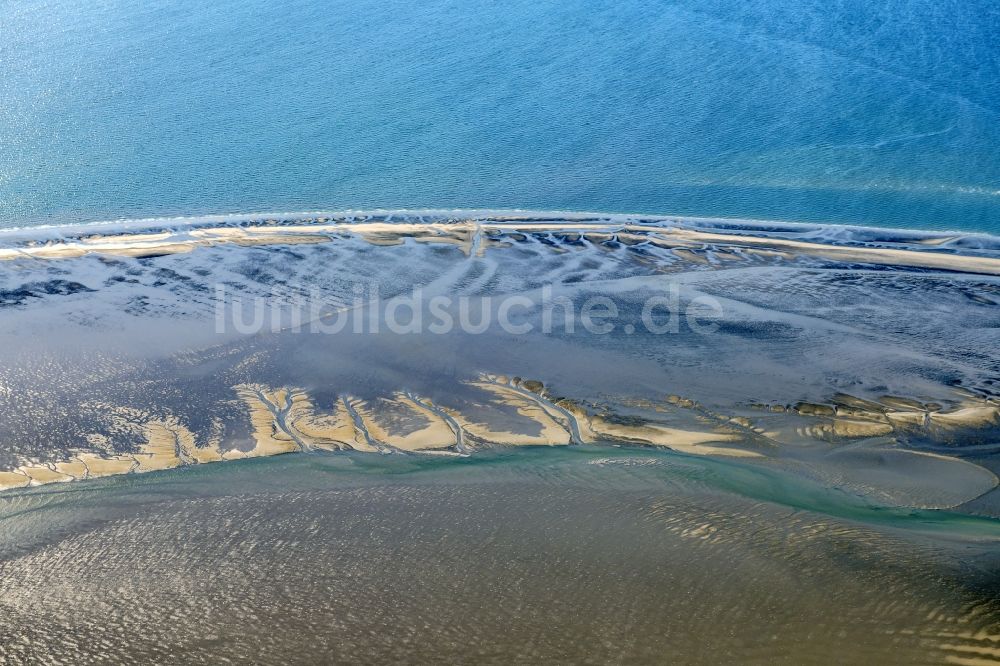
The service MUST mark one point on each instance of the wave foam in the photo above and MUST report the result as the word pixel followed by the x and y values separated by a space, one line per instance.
pixel 831 234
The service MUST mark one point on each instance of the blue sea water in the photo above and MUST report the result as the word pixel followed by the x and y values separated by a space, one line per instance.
pixel 851 111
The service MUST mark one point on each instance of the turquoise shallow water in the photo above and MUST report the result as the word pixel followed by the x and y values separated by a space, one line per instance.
pixel 582 466
pixel 861 113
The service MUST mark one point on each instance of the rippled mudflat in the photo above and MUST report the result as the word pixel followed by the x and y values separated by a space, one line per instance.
pixel 583 555
pixel 579 555
pixel 515 437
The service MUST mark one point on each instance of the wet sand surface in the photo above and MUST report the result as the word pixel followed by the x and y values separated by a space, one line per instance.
pixel 814 479
pixel 572 556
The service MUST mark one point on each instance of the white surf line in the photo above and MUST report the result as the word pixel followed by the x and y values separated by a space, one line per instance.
pixel 669 229
pixel 452 423
pixel 568 421
pixel 488 216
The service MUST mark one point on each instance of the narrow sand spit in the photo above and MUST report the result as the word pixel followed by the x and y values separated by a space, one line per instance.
pixel 464 235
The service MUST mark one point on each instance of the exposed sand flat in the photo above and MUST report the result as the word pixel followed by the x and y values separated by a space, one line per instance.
pixel 403 424
pixel 551 433
pixel 404 228
pixel 73 467
pixel 69 250
pixel 203 454
pixel 843 400
pixel 443 430
pixel 285 239
pixel 375 232
pixel 463 234
pixel 286 419
pixel 152 237
pixel 236 454
pixel 137 245
pixel 98 466
pixel 140 252
pixel 685 441
pixel 582 417
pixel 896 402
pixel 857 428
pixel 598 237
pixel 973 416
pixel 229 233
pixel 161 450
pixel 871 255
pixel 794 333
pixel 690 256
pixel 363 440
pixel 835 429
pixel 170 443
pixel 462 239
pixel 42 474
pixel 13 480
pixel 331 431
pixel 906 420
pixel 268 410
pixel 849 417
pixel 336 431
pixel 383 240
pixel 536 391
